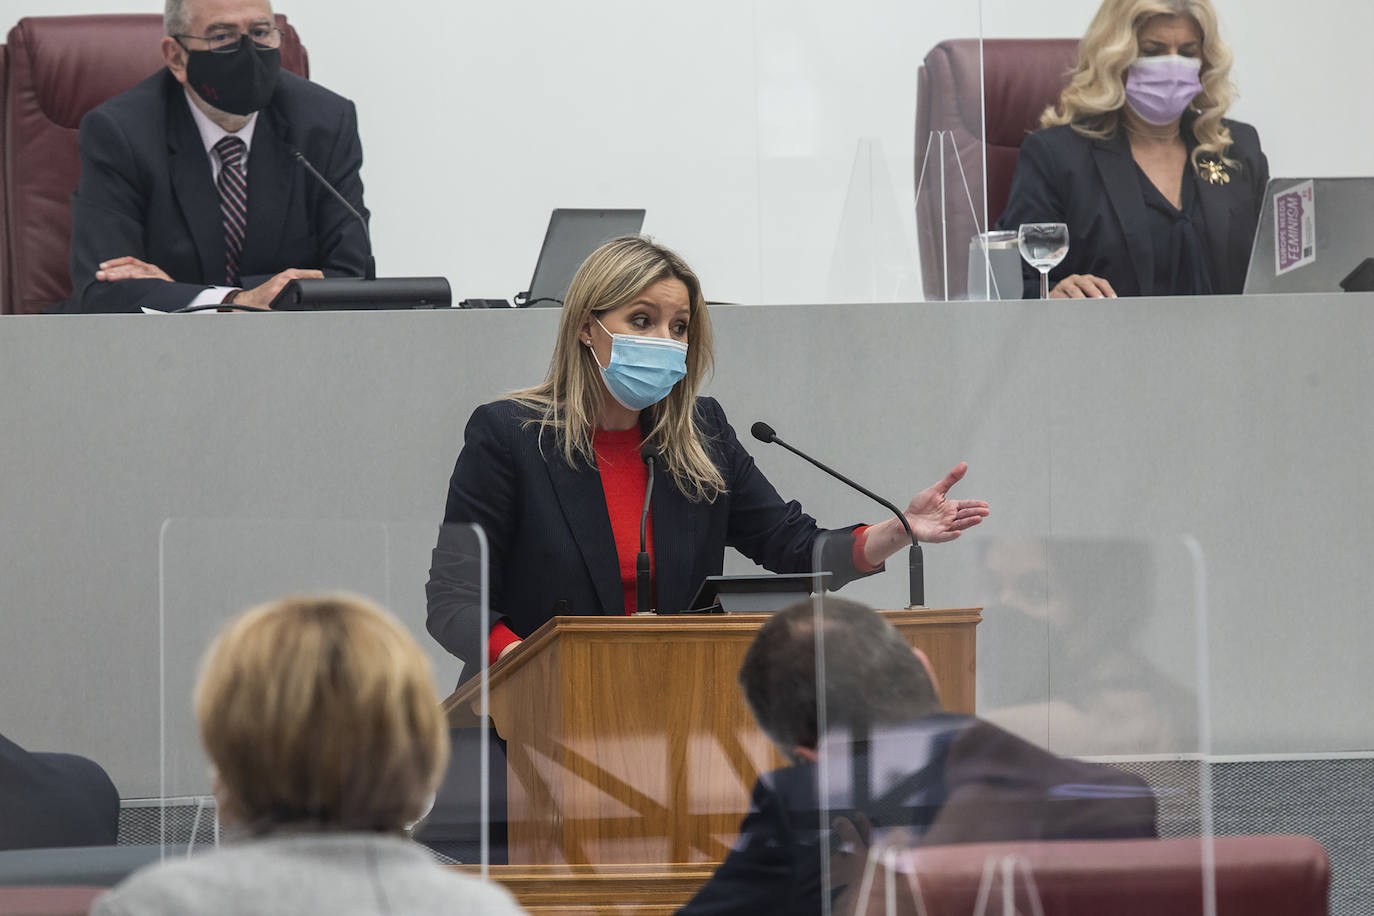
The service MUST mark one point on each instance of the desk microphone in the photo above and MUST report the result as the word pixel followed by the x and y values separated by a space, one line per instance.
pixel 764 433
pixel 648 454
pixel 371 273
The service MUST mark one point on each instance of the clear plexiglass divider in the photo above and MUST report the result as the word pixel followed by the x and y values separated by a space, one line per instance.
pixel 213 570
pixel 958 256
pixel 76 721
pixel 1075 761
pixel 869 175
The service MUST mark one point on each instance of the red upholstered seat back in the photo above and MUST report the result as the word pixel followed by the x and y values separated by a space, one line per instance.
pixel 57 68
pixel 1255 876
pixel 47 901
pixel 1018 78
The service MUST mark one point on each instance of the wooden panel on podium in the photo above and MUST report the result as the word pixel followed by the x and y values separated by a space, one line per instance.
pixel 629 741
pixel 599 890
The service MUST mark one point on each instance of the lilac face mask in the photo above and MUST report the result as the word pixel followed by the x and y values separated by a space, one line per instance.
pixel 1159 89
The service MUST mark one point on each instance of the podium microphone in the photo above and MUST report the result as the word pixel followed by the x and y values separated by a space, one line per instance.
pixel 915 566
pixel 371 273
pixel 648 454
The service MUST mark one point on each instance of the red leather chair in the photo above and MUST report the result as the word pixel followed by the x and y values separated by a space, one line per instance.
pixel 47 901
pixel 1018 78
pixel 54 70
pixel 1255 876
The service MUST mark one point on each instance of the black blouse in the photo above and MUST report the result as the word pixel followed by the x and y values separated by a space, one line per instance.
pixel 1178 236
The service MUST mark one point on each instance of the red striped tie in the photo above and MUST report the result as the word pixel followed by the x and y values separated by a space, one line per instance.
pixel 233 203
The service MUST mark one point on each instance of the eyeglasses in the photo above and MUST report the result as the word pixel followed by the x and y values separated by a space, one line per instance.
pixel 227 41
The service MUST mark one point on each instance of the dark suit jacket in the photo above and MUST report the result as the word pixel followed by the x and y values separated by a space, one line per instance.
pixel 941 780
pixel 1093 186
pixel 549 534
pixel 54 800
pixel 146 190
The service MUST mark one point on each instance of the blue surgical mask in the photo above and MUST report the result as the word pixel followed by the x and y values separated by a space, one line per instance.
pixel 642 370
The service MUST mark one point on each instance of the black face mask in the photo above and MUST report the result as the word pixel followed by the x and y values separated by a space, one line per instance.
pixel 240 82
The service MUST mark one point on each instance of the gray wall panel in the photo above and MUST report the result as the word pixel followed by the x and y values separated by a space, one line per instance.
pixel 1243 422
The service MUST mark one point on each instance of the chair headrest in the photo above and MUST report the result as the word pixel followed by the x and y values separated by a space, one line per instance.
pixel 74 63
pixel 1018 76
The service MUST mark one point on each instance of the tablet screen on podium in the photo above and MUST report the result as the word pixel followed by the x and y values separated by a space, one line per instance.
pixel 755 594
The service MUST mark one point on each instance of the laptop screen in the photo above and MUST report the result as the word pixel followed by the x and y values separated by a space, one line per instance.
pixel 573 235
pixel 1312 233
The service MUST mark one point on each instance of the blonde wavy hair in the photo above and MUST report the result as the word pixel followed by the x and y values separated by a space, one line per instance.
pixel 319 711
pixel 570 398
pixel 1091 103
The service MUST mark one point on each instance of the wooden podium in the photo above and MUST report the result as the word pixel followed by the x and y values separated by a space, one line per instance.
pixel 629 742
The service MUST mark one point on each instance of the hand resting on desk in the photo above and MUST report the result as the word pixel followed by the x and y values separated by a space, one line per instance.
pixel 261 296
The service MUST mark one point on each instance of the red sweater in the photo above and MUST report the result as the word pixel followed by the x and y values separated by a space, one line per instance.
pixel 623 478
pixel 624 475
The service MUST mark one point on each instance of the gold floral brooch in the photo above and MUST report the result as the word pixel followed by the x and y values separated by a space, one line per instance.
pixel 1215 172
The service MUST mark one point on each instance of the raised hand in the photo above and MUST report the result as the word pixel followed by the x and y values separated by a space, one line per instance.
pixel 936 518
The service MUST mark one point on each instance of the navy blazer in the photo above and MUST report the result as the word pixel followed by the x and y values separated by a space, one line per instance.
pixel 54 800
pixel 549 538
pixel 940 780
pixel 1094 187
pixel 146 190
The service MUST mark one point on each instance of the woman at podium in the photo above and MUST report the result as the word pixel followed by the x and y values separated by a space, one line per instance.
pixel 1161 193
pixel 556 474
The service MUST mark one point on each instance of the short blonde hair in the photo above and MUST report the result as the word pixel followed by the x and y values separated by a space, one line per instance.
pixel 571 396
pixel 1093 100
pixel 321 711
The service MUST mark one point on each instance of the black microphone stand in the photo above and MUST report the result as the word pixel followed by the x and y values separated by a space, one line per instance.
pixel 648 454
pixel 916 588
pixel 371 270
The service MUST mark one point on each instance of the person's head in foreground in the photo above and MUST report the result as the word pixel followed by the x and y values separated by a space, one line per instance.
pixel 327 740
pixel 899 771
pixel 1145 64
pixel 634 346
pixel 320 712
pixel 872 676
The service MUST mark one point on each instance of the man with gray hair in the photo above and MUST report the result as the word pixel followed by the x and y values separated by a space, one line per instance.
pixel 190 190
pixel 901 770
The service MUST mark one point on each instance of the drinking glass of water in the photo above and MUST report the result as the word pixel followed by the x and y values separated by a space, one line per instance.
pixel 1043 246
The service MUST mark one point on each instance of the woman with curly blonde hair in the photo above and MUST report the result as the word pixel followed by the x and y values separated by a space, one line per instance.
pixel 1161 192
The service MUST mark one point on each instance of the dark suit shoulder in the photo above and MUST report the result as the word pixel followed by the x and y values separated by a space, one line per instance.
pixel 505 410
pixel 502 418
pixel 509 416
pixel 985 751
pixel 1242 134
pixel 717 436
pixel 1063 138
pixel 1245 142
pixel 1060 142
pixel 987 744
pixel 140 102
pixel 53 799
pixel 513 427
pixel 710 415
pixel 1057 135
pixel 296 94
